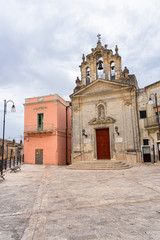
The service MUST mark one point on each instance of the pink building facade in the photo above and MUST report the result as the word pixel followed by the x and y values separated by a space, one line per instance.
pixel 47 130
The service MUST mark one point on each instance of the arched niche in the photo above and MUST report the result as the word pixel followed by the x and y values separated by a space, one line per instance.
pixel 101 111
pixel 88 78
pixel 112 70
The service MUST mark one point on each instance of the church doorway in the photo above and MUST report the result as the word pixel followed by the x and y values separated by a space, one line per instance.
pixel 103 143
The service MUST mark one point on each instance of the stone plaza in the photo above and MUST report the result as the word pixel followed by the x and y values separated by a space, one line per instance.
pixel 55 203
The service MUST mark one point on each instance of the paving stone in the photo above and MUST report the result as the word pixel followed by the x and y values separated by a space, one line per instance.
pixel 54 203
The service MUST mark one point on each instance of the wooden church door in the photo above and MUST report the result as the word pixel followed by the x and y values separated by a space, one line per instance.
pixel 103 143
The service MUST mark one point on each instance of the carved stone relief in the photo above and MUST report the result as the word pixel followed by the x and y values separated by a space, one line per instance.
pixel 128 102
pixel 107 120
pixel 76 109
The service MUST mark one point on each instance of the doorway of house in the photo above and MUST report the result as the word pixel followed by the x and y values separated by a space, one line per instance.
pixel 39 156
pixel 103 143
pixel 158 147
pixel 146 151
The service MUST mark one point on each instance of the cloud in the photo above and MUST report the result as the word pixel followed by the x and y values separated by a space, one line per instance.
pixel 42 42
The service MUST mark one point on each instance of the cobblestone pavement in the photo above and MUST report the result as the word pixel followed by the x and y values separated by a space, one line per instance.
pixel 54 203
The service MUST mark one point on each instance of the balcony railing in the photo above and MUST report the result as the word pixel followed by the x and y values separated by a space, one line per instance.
pixel 35 129
pixel 151 121
pixel 11 162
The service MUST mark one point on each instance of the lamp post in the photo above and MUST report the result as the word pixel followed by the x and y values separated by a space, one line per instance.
pixel 13 109
pixel 151 102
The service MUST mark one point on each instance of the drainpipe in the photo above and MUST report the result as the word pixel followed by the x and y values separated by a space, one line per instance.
pixel 154 160
pixel 66 136
pixel 139 132
pixel 67 133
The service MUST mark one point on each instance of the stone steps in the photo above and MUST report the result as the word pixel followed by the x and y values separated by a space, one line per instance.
pixel 99 165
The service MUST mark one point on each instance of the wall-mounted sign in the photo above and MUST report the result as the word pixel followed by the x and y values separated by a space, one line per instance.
pixel 40 108
pixel 86 140
pixel 119 140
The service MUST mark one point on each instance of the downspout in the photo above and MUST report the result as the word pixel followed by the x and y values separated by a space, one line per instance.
pixel 139 133
pixel 154 160
pixel 67 135
pixel 132 119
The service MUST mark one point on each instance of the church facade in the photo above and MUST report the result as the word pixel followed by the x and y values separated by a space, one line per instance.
pixel 105 110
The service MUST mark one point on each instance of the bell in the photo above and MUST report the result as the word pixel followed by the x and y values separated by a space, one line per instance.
pixel 100 67
pixel 87 73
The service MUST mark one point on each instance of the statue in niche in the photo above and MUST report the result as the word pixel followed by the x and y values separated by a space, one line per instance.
pixel 101 115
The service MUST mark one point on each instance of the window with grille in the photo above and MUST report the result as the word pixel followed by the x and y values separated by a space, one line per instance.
pixel 142 114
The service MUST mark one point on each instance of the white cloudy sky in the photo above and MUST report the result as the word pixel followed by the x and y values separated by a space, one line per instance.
pixel 42 42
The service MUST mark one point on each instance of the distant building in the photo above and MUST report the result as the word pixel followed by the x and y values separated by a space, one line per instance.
pixel 11 149
pixel 47 130
pixel 148 122
pixel 110 114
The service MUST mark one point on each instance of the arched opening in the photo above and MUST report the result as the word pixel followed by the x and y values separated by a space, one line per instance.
pixel 100 67
pixel 112 70
pixel 88 78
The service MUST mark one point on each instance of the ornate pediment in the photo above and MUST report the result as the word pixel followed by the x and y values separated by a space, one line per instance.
pixel 99 86
pixel 107 120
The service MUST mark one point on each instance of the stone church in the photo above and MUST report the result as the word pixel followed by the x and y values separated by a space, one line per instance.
pixel 105 110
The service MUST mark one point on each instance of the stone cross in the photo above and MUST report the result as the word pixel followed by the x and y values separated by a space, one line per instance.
pixel 99 37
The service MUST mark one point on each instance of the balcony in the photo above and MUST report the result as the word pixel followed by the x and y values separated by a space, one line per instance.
pixel 46 128
pixel 151 122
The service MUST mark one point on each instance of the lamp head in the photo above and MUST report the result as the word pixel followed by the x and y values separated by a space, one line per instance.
pixel 13 109
pixel 84 133
pixel 116 128
pixel 150 101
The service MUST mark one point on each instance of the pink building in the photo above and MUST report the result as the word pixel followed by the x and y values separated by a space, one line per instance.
pixel 47 130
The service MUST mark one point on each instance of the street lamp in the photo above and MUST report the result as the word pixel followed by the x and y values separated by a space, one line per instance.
pixel 151 102
pixel 13 109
